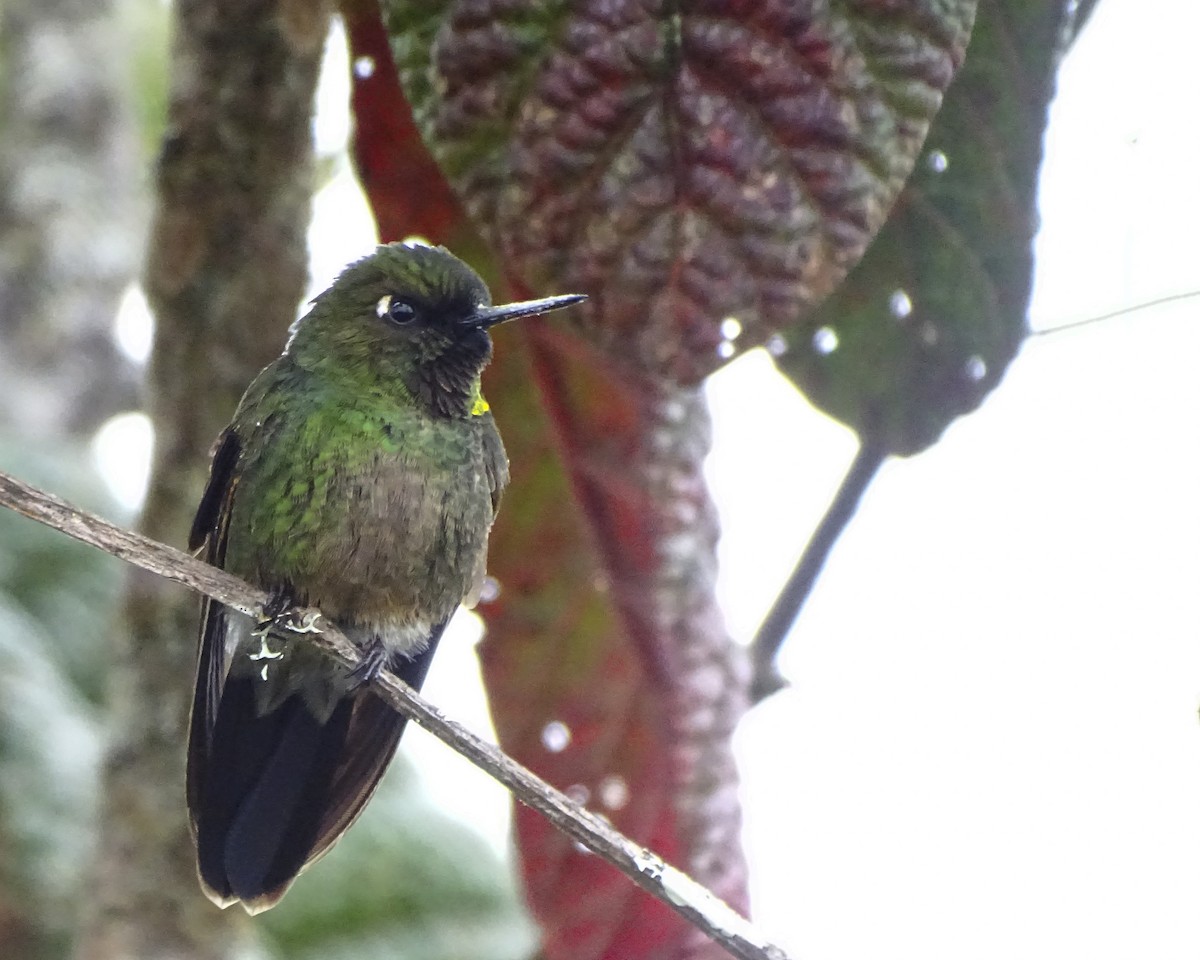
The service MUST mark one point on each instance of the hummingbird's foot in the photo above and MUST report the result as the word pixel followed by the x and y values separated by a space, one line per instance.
pixel 277 605
pixel 308 623
pixel 280 613
pixel 374 659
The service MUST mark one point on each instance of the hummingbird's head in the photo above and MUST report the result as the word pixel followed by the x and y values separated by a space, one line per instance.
pixel 412 313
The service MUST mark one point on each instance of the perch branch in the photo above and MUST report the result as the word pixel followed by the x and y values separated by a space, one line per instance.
pixel 673 887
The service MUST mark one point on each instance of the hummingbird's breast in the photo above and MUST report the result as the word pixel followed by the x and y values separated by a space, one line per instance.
pixel 379 517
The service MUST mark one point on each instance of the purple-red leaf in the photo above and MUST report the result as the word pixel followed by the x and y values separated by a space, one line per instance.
pixel 679 162
pixel 406 189
pixel 625 654
pixel 646 695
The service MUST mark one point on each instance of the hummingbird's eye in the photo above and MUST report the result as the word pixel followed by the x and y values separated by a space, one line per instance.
pixel 400 312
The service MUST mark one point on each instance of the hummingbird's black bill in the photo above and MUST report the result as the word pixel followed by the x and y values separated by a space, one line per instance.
pixel 486 317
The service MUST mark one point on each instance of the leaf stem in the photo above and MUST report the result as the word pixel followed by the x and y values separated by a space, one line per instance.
pixel 779 621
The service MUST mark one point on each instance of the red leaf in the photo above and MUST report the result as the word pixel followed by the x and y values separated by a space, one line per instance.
pixel 405 187
pixel 633 662
pixel 679 162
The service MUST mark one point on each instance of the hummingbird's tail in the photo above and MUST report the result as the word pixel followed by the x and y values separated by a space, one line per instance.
pixel 270 792
pixel 282 787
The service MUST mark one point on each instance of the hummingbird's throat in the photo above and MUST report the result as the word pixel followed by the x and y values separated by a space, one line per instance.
pixel 448 385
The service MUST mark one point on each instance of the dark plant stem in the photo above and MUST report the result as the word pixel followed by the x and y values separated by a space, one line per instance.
pixel 791 599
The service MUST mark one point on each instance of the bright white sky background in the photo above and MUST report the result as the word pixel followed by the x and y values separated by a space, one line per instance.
pixel 991 748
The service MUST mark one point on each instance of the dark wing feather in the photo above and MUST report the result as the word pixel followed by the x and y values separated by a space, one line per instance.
pixel 375 731
pixel 282 807
pixel 210 529
pixel 208 526
pixel 495 463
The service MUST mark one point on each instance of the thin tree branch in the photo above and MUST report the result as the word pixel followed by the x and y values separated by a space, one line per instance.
pixel 648 870
pixel 1113 314
pixel 778 623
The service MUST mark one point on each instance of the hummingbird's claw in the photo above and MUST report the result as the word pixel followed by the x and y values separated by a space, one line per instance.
pixel 264 650
pixel 279 613
pixel 306 624
pixel 375 658
pixel 275 612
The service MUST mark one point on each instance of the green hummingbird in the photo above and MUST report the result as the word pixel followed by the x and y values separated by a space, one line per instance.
pixel 361 474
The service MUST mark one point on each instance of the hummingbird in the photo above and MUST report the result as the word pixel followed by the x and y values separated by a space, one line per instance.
pixel 361 475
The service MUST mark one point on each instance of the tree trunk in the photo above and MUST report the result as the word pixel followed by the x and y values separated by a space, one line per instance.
pixel 226 269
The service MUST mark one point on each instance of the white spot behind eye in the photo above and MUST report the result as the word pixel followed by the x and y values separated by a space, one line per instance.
pixel 381 308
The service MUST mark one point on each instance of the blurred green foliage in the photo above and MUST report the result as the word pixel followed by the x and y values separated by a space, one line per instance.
pixel 405 883
pixel 57 600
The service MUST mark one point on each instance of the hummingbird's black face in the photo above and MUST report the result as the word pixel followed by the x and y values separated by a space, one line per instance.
pixel 444 350
pixel 435 330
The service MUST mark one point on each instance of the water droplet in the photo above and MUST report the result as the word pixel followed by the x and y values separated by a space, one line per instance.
pixel 580 848
pixel 556 736
pixel 614 791
pixel 976 368
pixel 731 328
pixel 825 340
pixel 579 793
pixel 600 582
pixel 900 303
pixel 489 590
pixel 122 448
pixel 938 161
pixel 364 67
pixel 776 345
pixel 725 349
pixel 134 326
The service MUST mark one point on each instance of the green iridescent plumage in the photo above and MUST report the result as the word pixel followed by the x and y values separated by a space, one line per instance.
pixel 361 474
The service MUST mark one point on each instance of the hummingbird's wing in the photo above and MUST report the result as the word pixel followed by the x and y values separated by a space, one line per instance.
pixel 495 462
pixel 371 741
pixel 210 530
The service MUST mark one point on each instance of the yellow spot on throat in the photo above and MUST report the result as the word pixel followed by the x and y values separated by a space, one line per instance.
pixel 479 407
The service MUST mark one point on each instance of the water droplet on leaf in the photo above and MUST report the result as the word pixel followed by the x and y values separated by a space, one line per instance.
pixel 489 590
pixel 825 340
pixel 900 304
pixel 976 368
pixel 556 736
pixel 579 793
pixel 614 792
